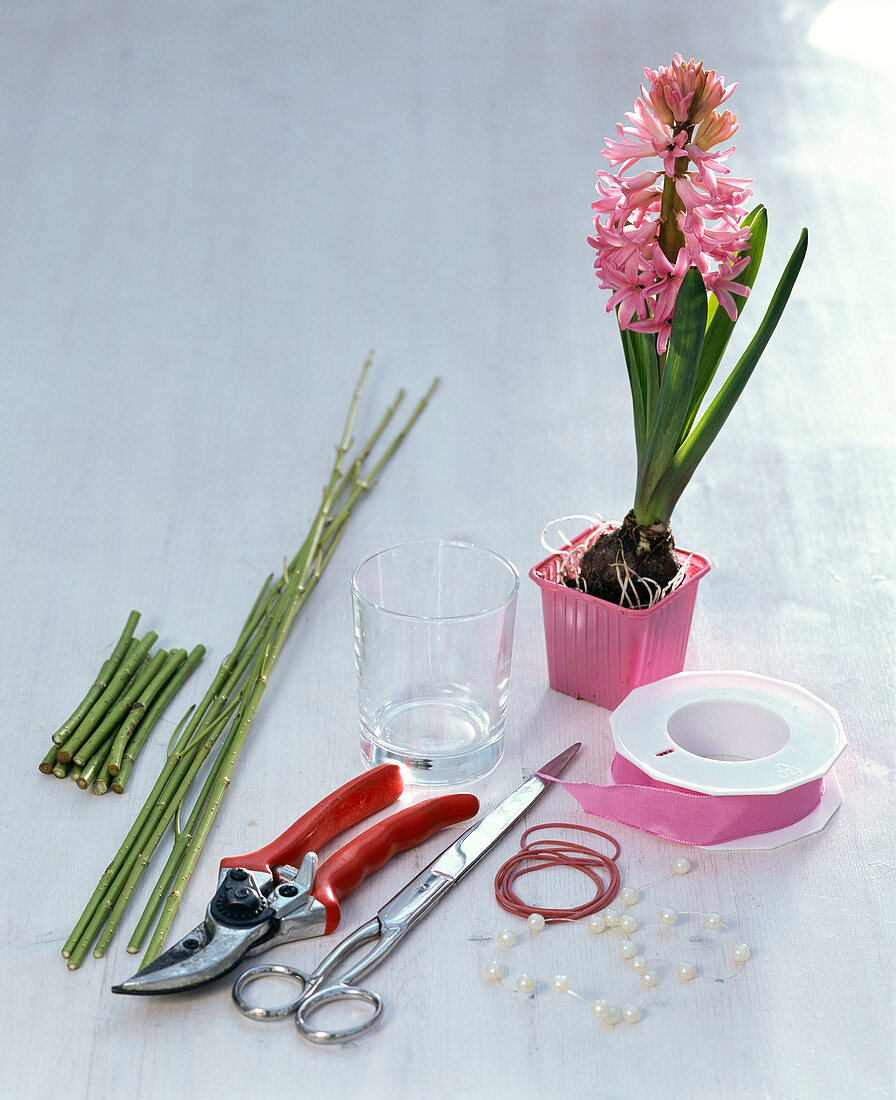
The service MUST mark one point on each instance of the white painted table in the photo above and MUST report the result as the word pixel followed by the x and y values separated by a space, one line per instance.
pixel 209 212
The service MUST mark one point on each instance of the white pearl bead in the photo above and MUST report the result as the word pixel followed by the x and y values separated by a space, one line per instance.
pixel 681 866
pixel 525 983
pixel 596 924
pixel 611 916
pixel 685 971
pixel 535 922
pixel 740 953
pixel 668 916
pixel 627 950
pixel 639 964
pixel 599 1008
pixel 560 983
pixel 628 924
pixel 631 1014
pixel 649 979
pixel 628 895
pixel 506 938
pixel 494 972
pixel 611 1019
pixel 713 921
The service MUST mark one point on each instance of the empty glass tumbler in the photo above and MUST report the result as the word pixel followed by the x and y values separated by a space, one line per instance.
pixel 433 639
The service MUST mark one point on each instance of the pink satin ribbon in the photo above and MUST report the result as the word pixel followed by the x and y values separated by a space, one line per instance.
pixel 690 817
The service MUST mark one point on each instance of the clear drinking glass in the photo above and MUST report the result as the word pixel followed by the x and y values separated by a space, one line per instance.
pixel 433 638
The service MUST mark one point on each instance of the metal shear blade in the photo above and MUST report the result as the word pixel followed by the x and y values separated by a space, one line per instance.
pixel 218 944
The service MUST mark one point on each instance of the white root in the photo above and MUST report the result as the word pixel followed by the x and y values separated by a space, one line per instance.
pixel 569 555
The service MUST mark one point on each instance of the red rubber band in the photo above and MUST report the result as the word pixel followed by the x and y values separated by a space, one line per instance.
pixel 570 825
pixel 540 854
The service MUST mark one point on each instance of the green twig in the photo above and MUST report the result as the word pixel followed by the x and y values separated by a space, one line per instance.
pixel 95 765
pixel 117 714
pixel 182 840
pixel 152 716
pixel 140 847
pixel 47 764
pixel 126 670
pixel 141 704
pixel 102 681
pixel 138 860
pixel 102 781
pixel 167 793
pixel 76 739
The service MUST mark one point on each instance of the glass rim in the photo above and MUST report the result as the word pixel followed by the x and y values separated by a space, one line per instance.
pixel 420 543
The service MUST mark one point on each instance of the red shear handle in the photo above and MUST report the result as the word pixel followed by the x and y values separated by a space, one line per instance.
pixel 347 868
pixel 359 798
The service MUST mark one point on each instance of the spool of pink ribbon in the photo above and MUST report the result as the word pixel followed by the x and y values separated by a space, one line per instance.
pixel 720 759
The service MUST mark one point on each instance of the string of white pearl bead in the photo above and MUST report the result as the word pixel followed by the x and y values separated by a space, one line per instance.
pixel 686 971
pixel 642 967
pixel 527 984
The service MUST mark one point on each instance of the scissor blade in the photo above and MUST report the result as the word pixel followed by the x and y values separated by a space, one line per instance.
pixel 469 848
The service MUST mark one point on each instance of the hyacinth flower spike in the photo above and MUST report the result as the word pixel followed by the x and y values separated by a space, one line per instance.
pixel 679 252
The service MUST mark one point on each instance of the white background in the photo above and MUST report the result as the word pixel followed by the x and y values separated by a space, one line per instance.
pixel 209 212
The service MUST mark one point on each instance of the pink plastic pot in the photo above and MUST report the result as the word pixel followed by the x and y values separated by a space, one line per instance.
pixel 599 651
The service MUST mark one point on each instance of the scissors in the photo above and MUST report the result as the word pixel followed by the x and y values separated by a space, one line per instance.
pixel 330 982
pixel 278 894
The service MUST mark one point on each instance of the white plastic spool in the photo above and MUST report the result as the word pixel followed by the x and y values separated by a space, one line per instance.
pixel 734 733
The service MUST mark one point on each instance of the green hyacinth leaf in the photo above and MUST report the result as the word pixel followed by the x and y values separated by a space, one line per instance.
pixel 719 325
pixel 689 455
pixel 675 392
pixel 637 384
pixel 645 349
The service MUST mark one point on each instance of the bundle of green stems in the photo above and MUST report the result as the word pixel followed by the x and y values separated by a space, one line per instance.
pixel 225 714
pixel 99 742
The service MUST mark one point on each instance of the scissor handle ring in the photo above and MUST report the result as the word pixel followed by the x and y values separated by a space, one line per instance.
pixel 311 1004
pixel 256 973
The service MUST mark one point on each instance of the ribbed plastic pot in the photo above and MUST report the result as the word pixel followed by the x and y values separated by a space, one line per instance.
pixel 599 651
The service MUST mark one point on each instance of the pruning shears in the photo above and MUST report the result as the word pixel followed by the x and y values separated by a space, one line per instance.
pixel 280 894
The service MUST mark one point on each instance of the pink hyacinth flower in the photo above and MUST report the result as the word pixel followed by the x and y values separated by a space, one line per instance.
pixel 722 285
pixel 684 92
pixel 714 129
pixel 674 121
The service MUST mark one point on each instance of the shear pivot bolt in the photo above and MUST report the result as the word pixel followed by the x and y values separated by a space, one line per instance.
pixel 238 902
